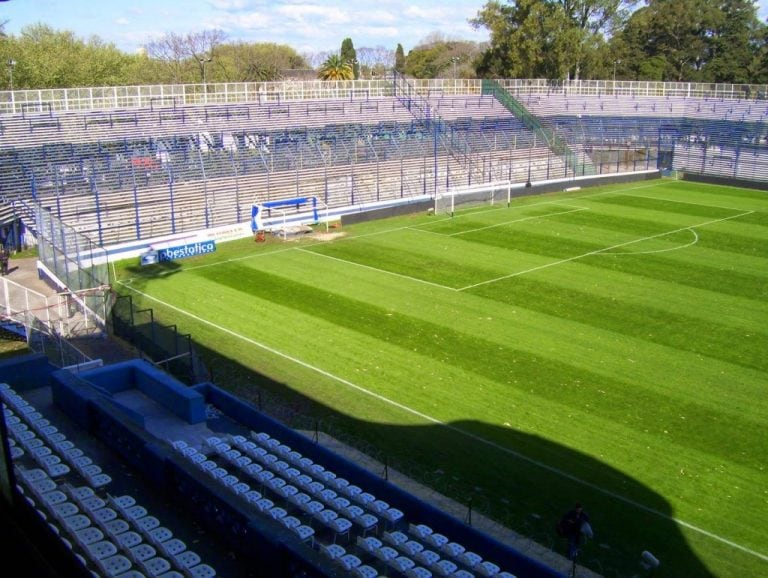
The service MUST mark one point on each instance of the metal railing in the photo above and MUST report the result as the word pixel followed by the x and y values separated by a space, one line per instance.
pixel 47 101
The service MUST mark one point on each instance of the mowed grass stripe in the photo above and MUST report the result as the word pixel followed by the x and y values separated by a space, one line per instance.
pixel 706 212
pixel 553 379
pixel 641 321
pixel 706 305
pixel 530 330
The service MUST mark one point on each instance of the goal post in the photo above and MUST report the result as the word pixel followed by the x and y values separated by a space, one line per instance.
pixel 466 197
pixel 287 215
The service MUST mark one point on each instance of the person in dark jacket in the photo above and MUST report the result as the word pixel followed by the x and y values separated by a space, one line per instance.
pixel 570 527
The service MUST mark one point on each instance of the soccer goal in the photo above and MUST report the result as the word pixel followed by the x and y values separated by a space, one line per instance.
pixel 288 217
pixel 472 196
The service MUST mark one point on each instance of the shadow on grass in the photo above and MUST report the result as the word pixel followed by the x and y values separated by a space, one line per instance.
pixel 487 470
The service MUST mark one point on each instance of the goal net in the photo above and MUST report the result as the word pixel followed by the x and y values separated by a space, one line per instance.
pixel 459 198
pixel 288 217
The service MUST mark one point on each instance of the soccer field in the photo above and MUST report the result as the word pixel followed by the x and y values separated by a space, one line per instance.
pixel 607 346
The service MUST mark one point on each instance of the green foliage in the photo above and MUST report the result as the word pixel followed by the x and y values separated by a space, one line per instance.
pixel 399 58
pixel 438 57
pixel 335 68
pixel 694 40
pixel 349 55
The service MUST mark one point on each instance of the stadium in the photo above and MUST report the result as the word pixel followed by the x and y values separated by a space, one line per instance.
pixel 387 327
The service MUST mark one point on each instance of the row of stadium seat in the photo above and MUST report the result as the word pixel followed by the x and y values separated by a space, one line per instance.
pixel 116 536
pixel 47 446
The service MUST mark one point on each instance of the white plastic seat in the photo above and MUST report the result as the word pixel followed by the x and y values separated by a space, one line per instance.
pixel 187 559
pixel 142 552
pixel 378 506
pixel 243 461
pixel 445 567
pixel 396 538
pixel 340 527
pixel 349 561
pixel 367 522
pixel 116 527
pixel 76 522
pixel 229 481
pixel 333 551
pixel 369 544
pixel 129 539
pixel 123 502
pixel 305 533
pixel 101 550
pixel 54 497
pixel 156 566
pixel 252 496
pixel 103 515
pixel 92 504
pixel 277 513
pixel 437 540
pixel 173 547
pixel 364 571
pixel 89 535
pixel 100 480
pixel 427 557
pixel 135 512
pixel 114 565
pixel 486 568
pixel 159 535
pixel 402 564
pixel 290 522
pixel 421 531
pixel 470 559
pixel 392 515
pixel 201 571
pixel 147 523
pixel 64 510
pixel 264 505
pixel 453 549
pixel 81 493
pixel 412 547
pixel 312 507
pixel 386 553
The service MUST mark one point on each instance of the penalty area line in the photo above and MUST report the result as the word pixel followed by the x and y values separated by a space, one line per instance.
pixel 453 428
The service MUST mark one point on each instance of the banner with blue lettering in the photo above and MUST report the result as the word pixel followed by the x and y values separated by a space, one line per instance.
pixel 184 251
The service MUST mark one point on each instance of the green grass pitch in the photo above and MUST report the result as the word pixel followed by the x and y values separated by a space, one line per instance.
pixel 608 346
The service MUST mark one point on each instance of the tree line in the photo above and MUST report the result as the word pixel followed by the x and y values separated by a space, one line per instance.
pixel 719 41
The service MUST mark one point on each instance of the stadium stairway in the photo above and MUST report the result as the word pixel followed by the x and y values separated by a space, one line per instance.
pixel 556 144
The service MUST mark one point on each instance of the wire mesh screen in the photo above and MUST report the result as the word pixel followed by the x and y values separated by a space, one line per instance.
pixel 75 260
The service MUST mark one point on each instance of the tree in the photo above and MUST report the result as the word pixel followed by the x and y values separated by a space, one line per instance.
pixel 348 54
pixel 551 38
pixel 192 51
pixel 399 58
pixel 334 68
pixel 440 57
pixel 733 43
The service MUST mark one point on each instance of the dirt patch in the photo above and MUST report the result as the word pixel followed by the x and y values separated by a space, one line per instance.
pixel 328 236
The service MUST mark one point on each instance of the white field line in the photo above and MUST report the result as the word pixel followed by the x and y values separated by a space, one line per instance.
pixel 384 271
pixel 598 251
pixel 403 228
pixel 681 201
pixel 517 221
pixel 695 240
pixel 453 428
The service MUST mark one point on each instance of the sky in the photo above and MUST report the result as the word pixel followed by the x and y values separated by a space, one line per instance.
pixel 308 26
